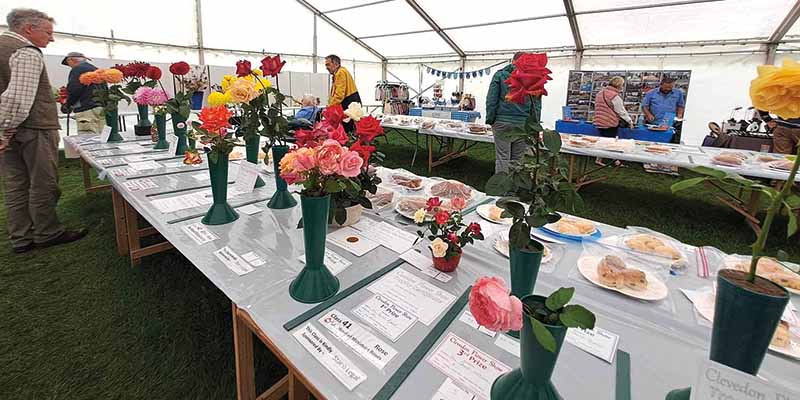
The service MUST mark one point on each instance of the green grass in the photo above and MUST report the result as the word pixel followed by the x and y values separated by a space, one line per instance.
pixel 80 323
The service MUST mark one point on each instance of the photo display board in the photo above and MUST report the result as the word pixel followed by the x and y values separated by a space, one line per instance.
pixel 584 85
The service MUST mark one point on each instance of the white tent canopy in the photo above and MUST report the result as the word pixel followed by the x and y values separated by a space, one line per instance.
pixel 721 41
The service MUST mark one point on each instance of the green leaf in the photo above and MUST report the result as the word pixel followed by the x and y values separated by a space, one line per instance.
pixel 543 336
pixel 792 229
pixel 702 170
pixel 499 184
pixel 519 235
pixel 517 210
pixel 552 140
pixel 576 316
pixel 559 298
pixel 782 255
pixel 687 183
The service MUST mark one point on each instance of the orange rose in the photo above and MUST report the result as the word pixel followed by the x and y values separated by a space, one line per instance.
pixel 89 78
pixel 111 75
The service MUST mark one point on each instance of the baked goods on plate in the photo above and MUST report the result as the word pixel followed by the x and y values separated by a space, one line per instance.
pixel 572 226
pixel 477 129
pixel 381 198
pixel 653 245
pixel 407 206
pixel 780 165
pixel 428 124
pixel 236 155
pixel 612 273
pixel 765 158
pixel 492 213
pixel 451 189
pixel 768 268
pixel 658 149
pixel 729 159
pixel 406 181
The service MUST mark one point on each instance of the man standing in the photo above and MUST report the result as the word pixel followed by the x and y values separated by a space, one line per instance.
pixel 666 99
pixel 785 133
pixel 504 115
pixel 29 123
pixel 343 88
pixel 88 115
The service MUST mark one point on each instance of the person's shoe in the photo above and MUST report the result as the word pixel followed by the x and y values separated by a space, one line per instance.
pixel 24 249
pixel 65 237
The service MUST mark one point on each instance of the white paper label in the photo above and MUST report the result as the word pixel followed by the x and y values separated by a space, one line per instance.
pixel 333 261
pixel 173 144
pixel 250 209
pixel 717 381
pixel 450 391
pixel 329 356
pixel 358 338
pixel 469 319
pixel 425 265
pixel 233 261
pixel 419 297
pixel 136 185
pixel 246 177
pixel 468 366
pixel 199 233
pixel 394 239
pixel 386 317
pixel 597 342
pixel 253 259
pixel 508 344
pixel 352 241
pixel 122 171
pixel 105 134
pixel 145 165
pixel 201 177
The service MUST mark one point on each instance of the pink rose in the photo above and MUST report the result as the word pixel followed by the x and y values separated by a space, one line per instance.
pixel 350 164
pixel 303 160
pixel 328 157
pixel 291 177
pixel 458 203
pixel 492 305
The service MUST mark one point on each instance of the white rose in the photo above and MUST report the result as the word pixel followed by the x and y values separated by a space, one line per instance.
pixel 439 248
pixel 354 112
pixel 419 216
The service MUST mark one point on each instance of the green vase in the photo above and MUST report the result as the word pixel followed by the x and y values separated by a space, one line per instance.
pixel 112 120
pixel 532 379
pixel 281 199
pixel 524 271
pixel 744 323
pixel 161 128
pixel 179 128
pixel 142 128
pixel 315 283
pixel 251 148
pixel 220 212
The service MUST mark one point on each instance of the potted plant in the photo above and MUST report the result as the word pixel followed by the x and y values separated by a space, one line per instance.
pixel 178 106
pixel 543 322
pixel 107 94
pixel 156 98
pixel 747 307
pixel 535 185
pixel 196 83
pixel 447 244
pixel 321 170
pixel 212 131
pixel 136 75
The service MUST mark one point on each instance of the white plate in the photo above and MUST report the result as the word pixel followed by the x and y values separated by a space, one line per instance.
pixel 730 265
pixel 483 211
pixel 656 289
pixel 410 214
pixel 551 227
pixel 501 245
pixel 421 186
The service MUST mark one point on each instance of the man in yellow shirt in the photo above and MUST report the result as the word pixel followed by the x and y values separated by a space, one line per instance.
pixel 343 89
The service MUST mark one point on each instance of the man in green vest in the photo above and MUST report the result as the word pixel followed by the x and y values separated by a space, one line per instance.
pixel 29 126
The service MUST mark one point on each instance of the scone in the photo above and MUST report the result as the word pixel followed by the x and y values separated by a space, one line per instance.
pixel 781 337
pixel 634 279
pixel 610 270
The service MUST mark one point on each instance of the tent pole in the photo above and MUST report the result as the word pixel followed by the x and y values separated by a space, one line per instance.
pixel 461 76
pixel 384 70
pixel 578 60
pixel 771 50
pixel 198 19
pixel 314 54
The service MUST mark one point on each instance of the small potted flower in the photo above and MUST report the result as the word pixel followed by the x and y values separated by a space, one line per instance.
pixel 447 243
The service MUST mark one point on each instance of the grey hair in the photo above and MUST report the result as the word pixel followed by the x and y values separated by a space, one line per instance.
pixel 617 82
pixel 309 98
pixel 19 17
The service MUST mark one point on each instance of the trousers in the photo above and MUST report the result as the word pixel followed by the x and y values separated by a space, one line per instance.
pixel 785 140
pixel 30 179
pixel 91 121
pixel 505 151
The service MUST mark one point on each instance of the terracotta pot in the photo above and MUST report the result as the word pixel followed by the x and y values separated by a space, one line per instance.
pixel 447 264
pixel 353 215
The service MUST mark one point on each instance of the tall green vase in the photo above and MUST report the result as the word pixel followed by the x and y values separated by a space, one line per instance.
pixel 161 128
pixel 744 323
pixel 524 271
pixel 220 212
pixel 179 128
pixel 532 379
pixel 142 128
pixel 281 199
pixel 315 283
pixel 112 120
pixel 251 148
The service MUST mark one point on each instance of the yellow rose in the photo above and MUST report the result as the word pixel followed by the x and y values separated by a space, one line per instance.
pixel 777 89
pixel 263 84
pixel 438 247
pixel 226 82
pixel 217 99
pixel 419 216
pixel 257 72
pixel 242 91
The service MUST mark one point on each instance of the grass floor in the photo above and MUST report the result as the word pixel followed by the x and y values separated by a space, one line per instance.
pixel 79 323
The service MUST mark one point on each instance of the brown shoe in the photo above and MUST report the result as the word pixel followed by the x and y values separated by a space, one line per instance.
pixel 65 237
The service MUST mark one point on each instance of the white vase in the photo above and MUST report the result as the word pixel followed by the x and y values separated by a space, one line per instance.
pixel 353 215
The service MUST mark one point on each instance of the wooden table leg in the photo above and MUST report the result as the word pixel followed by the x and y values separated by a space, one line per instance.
pixel 243 352
pixel 297 391
pixel 132 223
pixel 571 167
pixel 87 178
pixel 120 224
pixel 430 155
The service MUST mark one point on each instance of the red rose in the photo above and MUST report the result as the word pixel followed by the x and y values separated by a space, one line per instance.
pixel 433 202
pixel 474 228
pixel 243 68
pixel 333 114
pixel 441 217
pixel 452 238
pixel 123 69
pixel 215 119
pixel 531 62
pixel 528 78
pixel 368 128
pixel 365 151
pixel 272 66
pixel 302 137
pixel 179 68
pixel 154 73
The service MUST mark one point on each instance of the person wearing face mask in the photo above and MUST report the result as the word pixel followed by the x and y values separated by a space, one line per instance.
pixel 29 126
pixel 667 99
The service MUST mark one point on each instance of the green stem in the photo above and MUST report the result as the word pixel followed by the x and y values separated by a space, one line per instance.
pixel 777 202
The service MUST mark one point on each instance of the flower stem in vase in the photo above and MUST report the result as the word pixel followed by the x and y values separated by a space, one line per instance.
pixel 252 143
pixel 524 271
pixel 112 120
pixel 315 283
pixel 161 128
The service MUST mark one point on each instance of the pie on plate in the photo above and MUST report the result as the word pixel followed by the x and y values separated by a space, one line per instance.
pixel 622 278
pixel 409 182
pixel 451 189
pixel 728 159
pixel 573 227
pixel 781 165
pixel 653 245
pixel 657 149
pixel 492 213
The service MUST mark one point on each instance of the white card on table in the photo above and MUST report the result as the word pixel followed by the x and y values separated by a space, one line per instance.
pixel 333 261
pixel 246 177
pixel 352 241
pixel 136 185
pixel 123 171
pixel 250 209
pixel 508 344
pixel 358 338
pixel 425 265
pixel 469 319
pixel 145 165
pixel 419 297
pixel 597 342
pixel 468 366
pixel 394 239
pixel 199 233
pixel 233 261
pixel 253 259
pixel 450 391
pixel 386 317
pixel 717 381
pixel 329 356
pixel 203 176
pixel 105 134
pixel 173 144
